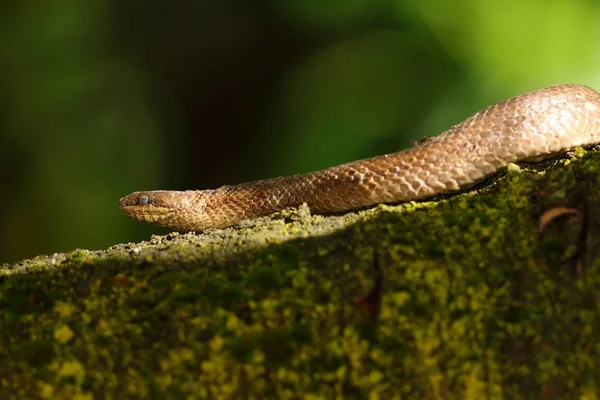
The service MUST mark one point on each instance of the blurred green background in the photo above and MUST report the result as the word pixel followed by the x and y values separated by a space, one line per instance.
pixel 100 98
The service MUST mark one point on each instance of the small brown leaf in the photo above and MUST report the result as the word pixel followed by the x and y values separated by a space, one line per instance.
pixel 553 213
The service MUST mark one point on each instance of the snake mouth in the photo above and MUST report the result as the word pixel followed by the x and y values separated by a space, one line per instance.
pixel 148 213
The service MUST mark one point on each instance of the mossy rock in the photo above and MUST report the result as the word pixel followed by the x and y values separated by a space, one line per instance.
pixel 488 294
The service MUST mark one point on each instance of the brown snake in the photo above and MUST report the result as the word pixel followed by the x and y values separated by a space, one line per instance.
pixel 529 127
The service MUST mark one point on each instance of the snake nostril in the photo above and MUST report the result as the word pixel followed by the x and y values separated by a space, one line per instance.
pixel 143 200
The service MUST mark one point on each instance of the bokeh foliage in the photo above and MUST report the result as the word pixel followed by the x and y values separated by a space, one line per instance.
pixel 103 98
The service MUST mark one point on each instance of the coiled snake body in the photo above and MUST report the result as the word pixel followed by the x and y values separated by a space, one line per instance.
pixel 529 127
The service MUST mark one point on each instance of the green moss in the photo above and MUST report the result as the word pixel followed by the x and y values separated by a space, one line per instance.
pixel 458 297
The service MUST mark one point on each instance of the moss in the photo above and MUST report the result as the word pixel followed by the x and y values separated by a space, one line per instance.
pixel 458 297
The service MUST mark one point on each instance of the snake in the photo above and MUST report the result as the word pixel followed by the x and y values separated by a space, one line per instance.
pixel 528 127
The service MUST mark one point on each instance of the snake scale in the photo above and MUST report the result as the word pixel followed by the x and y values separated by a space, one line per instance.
pixel 528 127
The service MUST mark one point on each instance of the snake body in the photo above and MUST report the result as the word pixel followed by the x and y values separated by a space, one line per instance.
pixel 528 127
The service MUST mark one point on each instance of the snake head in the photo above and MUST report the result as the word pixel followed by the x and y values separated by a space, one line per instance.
pixel 158 207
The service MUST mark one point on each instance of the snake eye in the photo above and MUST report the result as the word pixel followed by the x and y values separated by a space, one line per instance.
pixel 143 200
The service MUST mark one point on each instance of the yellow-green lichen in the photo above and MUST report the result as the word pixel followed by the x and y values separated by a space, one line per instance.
pixel 456 297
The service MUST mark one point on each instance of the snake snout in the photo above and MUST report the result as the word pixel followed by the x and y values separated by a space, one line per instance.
pixel 146 206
